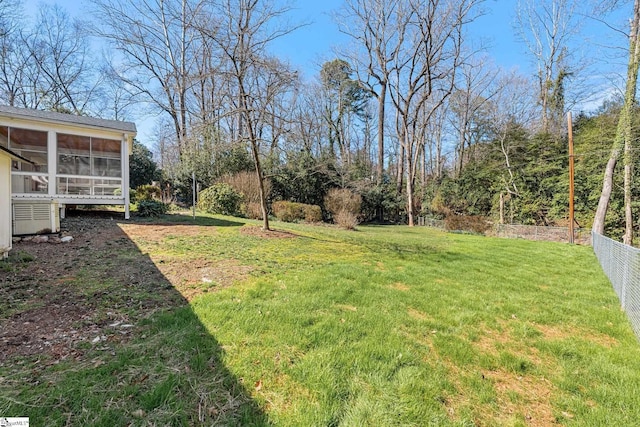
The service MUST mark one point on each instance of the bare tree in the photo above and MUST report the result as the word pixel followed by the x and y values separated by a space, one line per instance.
pixel 156 41
pixel 624 136
pixel 424 74
pixel 474 90
pixel 512 106
pixel 60 48
pixel 246 29
pixel 378 28
pixel 114 99
pixel 48 64
pixel 547 28
pixel 434 132
pixel 12 57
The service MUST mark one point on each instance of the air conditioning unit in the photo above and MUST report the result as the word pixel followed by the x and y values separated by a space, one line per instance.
pixel 35 217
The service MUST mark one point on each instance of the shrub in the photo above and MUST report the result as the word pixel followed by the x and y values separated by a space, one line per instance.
pixel 380 202
pixel 220 198
pixel 346 220
pixel 251 210
pixel 312 213
pixel 473 223
pixel 342 199
pixel 344 206
pixel 246 183
pixel 151 208
pixel 292 212
pixel 147 192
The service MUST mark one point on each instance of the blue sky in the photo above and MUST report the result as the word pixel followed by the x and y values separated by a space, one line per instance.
pixel 309 46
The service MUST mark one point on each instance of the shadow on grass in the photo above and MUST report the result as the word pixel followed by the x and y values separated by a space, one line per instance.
pixel 200 220
pixel 139 354
pixel 169 219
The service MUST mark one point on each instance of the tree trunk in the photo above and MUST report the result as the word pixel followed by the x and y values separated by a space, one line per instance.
pixel 400 171
pixel 381 104
pixel 624 134
pixel 628 213
pixel 263 198
pixel 410 167
pixel 605 195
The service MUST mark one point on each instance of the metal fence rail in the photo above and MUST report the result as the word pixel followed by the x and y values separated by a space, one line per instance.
pixel 621 264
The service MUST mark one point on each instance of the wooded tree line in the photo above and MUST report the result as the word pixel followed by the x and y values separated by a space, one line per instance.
pixel 411 113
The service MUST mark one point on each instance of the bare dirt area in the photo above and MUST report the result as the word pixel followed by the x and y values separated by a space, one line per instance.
pixel 59 299
pixel 271 234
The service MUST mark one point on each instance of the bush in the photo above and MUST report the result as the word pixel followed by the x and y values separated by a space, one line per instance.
pixel 147 192
pixel 220 198
pixel 473 223
pixel 292 212
pixel 252 210
pixel 344 206
pixel 151 208
pixel 246 183
pixel 346 220
pixel 312 213
pixel 380 202
pixel 342 199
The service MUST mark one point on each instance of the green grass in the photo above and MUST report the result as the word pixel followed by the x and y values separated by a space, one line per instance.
pixel 383 326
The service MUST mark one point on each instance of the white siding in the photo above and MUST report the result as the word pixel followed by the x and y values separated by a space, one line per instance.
pixel 5 204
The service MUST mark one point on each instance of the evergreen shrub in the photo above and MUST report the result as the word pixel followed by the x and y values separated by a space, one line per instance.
pixel 221 199
pixel 147 192
pixel 151 208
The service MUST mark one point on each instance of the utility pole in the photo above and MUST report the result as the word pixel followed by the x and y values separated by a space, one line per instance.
pixel 571 173
pixel 193 177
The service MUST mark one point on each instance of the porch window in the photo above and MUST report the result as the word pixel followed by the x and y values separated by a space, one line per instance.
pixel 82 159
pixel 27 177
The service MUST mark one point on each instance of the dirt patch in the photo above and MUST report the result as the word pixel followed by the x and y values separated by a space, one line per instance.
pixel 493 342
pixel 251 230
pixel 557 333
pixel 526 396
pixel 518 397
pixel 347 307
pixel 93 291
pixel 193 277
pixel 158 232
pixel 417 314
pixel 400 287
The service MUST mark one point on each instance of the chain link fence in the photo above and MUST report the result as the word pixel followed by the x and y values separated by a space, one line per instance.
pixel 528 232
pixel 621 264
pixel 535 232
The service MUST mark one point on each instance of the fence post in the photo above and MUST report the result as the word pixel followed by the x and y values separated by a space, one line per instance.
pixel 625 278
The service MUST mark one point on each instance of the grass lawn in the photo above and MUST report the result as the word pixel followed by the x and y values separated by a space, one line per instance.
pixel 315 326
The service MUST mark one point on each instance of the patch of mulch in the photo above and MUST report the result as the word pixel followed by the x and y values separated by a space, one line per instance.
pixel 255 231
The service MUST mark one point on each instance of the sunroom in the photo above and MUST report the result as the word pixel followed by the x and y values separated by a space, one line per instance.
pixel 72 160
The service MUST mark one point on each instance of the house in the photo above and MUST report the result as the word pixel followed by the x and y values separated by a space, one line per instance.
pixel 6 157
pixel 61 159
